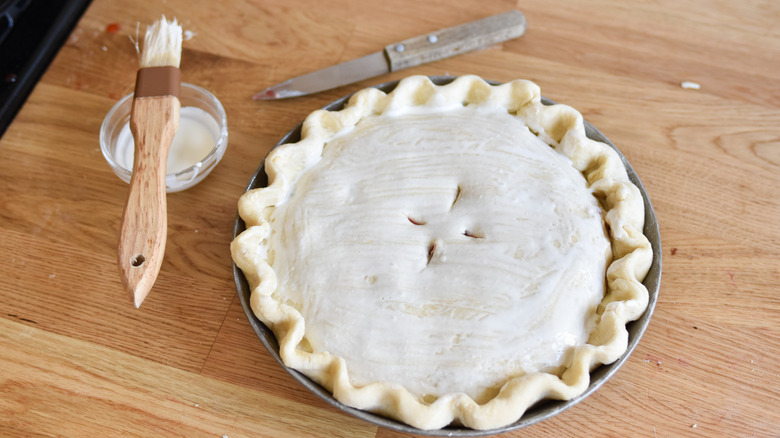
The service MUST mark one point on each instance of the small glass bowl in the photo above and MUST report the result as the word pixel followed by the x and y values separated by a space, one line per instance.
pixel 116 141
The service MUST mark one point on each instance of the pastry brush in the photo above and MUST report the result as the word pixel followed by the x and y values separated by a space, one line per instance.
pixel 154 119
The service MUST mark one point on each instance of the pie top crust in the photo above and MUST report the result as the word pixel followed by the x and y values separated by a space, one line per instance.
pixel 446 254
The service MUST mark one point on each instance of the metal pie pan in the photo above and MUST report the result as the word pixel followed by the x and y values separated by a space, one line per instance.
pixel 540 411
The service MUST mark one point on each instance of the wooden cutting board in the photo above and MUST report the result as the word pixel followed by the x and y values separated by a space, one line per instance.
pixel 78 360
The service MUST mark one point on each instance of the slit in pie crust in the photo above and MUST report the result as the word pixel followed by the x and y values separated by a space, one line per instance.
pixel 446 254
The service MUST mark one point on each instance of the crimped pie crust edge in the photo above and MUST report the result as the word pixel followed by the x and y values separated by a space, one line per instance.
pixel 558 125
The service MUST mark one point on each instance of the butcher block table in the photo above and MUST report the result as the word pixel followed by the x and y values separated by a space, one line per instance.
pixel 77 359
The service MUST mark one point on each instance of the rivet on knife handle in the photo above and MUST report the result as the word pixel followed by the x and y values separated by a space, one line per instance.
pixel 455 40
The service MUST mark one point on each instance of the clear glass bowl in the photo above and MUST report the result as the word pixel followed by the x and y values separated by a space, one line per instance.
pixel 201 110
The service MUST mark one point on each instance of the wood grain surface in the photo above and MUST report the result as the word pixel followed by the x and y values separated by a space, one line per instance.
pixel 77 359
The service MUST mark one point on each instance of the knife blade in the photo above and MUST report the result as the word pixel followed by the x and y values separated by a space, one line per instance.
pixel 430 47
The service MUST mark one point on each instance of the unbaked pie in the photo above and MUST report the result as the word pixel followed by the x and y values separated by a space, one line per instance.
pixel 446 254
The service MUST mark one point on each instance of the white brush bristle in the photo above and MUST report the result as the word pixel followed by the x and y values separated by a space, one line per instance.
pixel 162 44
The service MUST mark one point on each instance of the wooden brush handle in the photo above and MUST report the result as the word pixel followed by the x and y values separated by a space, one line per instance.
pixel 144 229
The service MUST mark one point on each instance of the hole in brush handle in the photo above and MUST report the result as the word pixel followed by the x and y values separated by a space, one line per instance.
pixel 137 261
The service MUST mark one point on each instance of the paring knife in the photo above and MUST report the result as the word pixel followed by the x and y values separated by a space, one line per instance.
pixel 409 53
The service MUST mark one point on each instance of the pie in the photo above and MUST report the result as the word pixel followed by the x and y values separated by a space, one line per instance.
pixel 446 254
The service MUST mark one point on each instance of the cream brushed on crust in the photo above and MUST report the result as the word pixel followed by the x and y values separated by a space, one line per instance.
pixel 444 226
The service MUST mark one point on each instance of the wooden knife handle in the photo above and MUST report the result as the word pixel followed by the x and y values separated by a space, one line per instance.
pixel 455 40
pixel 144 229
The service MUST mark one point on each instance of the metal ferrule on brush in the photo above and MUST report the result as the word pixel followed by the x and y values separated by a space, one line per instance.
pixel 158 81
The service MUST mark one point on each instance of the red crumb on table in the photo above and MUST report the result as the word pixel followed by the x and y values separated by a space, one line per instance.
pixel 653 359
pixel 674 251
pixel 113 28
